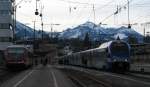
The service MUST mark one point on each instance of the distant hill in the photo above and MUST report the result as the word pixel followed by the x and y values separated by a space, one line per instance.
pixel 22 29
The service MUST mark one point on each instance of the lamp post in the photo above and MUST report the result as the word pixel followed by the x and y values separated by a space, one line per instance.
pixel 129 25
pixel 52 24
pixel 34 34
pixel 34 38
pixel 15 5
pixel 41 15
pixel 25 31
pixel 36 10
pixel 52 29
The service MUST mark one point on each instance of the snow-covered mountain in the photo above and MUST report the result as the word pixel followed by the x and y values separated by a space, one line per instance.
pixel 98 33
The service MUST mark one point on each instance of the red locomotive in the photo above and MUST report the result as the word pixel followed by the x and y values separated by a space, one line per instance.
pixel 18 56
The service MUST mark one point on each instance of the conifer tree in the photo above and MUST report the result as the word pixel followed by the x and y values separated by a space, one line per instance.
pixel 132 40
pixel 87 42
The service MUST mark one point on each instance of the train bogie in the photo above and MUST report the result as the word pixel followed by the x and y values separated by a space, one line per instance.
pixel 120 66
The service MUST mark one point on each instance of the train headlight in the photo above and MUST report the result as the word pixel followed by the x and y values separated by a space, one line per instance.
pixel 109 60
pixel 114 60
pixel 126 60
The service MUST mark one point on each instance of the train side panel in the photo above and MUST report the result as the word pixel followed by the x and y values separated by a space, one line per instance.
pixel 100 57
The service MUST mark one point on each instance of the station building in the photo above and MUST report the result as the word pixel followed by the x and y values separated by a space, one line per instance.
pixel 6 25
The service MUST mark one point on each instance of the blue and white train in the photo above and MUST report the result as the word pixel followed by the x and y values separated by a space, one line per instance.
pixel 112 55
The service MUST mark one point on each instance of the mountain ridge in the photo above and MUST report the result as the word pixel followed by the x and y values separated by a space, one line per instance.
pixel 96 32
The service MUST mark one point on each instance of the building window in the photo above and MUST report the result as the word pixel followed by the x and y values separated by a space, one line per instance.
pixel 5 12
pixel 5 0
pixel 5 39
pixel 4 26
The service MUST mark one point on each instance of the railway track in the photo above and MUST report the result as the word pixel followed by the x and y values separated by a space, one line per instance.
pixel 135 74
pixel 86 80
pixel 140 72
pixel 84 76
pixel 139 76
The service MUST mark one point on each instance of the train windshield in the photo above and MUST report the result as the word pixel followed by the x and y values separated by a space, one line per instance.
pixel 15 52
pixel 119 49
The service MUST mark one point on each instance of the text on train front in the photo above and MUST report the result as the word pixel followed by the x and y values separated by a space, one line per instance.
pixel 120 51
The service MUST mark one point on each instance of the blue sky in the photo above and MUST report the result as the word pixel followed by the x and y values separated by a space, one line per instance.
pixel 70 13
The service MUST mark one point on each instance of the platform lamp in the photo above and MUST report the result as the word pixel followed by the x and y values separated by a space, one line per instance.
pixel 41 16
pixel 36 11
pixel 25 30
pixel 14 7
pixel 129 25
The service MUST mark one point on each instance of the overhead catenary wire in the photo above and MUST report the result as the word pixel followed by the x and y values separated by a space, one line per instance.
pixel 100 8
pixel 19 2
pixel 94 13
pixel 80 13
pixel 140 6
pixel 114 13
pixel 75 2
pixel 138 18
pixel 105 5
pixel 93 9
pixel 88 4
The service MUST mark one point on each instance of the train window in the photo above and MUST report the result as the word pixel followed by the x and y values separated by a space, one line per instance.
pixel 97 54
pixel 119 48
pixel 15 50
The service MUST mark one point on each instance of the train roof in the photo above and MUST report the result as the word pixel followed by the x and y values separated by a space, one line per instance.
pixel 28 47
pixel 102 46
pixel 107 44
pixel 17 46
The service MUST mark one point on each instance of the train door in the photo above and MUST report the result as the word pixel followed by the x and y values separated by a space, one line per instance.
pixel 99 58
pixel 108 62
pixel 78 61
pixel 30 56
pixel 89 62
pixel 1 57
pixel 84 59
pixel 26 57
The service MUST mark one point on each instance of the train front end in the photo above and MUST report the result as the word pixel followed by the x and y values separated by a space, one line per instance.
pixel 15 57
pixel 120 56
